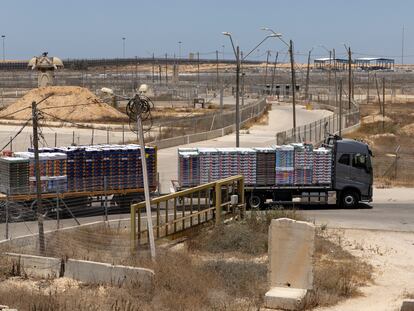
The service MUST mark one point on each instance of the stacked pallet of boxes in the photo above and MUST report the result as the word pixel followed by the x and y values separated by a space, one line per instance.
pixel 209 165
pixel 285 165
pixel 98 167
pixel 265 166
pixel 303 164
pixel 188 167
pixel 247 165
pixel 322 166
pixel 14 175
pixel 52 167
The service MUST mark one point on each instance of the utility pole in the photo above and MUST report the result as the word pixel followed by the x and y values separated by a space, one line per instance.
pixel 368 86
pixel 383 104
pixel 237 96
pixel 267 64
pixel 274 72
pixel 335 84
pixel 198 68
pixel 153 69
pixel 159 73
pixel 39 209
pixel 340 107
pixel 146 186
pixel 307 77
pixel 166 69
pixel 402 48
pixel 292 69
pixel 349 78
pixel 329 76
pixel 217 68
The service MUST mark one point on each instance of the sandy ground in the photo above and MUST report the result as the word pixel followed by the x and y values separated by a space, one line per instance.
pixel 394 195
pixel 392 256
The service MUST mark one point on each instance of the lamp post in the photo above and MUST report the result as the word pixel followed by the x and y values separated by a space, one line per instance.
pixel 4 50
pixel 292 69
pixel 179 49
pixel 239 59
pixel 123 46
pixel 223 50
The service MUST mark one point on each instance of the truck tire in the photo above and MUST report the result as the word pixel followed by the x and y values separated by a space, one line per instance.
pixel 255 201
pixel 349 199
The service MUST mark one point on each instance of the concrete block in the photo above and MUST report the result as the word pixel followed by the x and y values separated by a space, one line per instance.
pixel 291 248
pixel 285 298
pixel 37 266
pixel 408 305
pixel 98 273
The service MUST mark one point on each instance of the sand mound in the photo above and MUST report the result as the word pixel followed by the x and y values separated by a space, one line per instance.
pixel 375 118
pixel 407 130
pixel 70 103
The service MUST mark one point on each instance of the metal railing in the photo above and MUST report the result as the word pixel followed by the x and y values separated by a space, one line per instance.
pixel 316 132
pixel 188 208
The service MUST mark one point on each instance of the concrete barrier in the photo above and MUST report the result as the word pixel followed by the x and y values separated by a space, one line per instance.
pixel 83 270
pixel 291 248
pixel 98 272
pixel 37 266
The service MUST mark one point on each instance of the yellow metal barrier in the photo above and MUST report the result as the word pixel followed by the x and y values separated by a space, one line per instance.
pixel 189 208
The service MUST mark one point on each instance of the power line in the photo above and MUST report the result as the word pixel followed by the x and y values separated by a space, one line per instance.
pixel 17 134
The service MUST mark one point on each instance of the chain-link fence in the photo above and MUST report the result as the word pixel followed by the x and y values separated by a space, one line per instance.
pixel 316 132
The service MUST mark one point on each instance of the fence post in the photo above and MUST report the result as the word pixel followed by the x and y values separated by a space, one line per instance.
pixel 310 133
pixel 57 209
pixel 93 132
pixel 11 143
pixel 106 198
pixel 107 135
pixel 240 187
pixel 123 134
pixel 133 236
pixel 73 138
pixel 55 139
pixel 7 214
pixel 218 203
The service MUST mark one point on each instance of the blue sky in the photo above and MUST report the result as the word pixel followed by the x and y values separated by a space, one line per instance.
pixel 92 28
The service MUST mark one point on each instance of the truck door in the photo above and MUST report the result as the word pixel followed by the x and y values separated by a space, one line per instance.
pixel 360 172
pixel 342 168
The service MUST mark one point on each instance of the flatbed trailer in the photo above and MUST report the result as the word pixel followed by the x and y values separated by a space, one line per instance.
pixel 23 206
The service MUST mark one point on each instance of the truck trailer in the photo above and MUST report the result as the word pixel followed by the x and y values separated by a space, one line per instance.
pixel 75 180
pixel 338 172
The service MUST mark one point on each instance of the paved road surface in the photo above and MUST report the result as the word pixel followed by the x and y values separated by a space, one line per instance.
pixel 378 216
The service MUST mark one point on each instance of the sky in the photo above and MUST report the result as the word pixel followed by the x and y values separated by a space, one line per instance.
pixel 95 28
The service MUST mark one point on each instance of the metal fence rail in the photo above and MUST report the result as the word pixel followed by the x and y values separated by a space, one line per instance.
pixel 315 132
pixel 185 209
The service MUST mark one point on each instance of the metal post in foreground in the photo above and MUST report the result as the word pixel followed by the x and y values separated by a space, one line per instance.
pixel 106 197
pixel 340 107
pixel 237 96
pixel 7 215
pixel 146 186
pixel 39 209
pixel 292 69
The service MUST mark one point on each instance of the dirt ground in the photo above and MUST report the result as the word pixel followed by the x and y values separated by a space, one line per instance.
pixel 69 103
pixel 392 256
pixel 384 135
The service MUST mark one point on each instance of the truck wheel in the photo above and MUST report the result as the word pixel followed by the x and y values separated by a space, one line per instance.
pixel 349 199
pixel 255 201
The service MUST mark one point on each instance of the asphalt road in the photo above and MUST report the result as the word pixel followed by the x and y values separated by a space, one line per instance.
pixel 378 216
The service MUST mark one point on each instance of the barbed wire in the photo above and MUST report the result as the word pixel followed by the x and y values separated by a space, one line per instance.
pixel 139 106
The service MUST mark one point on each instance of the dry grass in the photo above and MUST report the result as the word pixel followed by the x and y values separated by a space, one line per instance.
pixel 218 268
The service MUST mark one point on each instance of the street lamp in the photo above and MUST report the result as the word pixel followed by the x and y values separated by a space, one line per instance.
pixel 123 47
pixel 4 51
pixel 179 49
pixel 292 69
pixel 223 50
pixel 236 51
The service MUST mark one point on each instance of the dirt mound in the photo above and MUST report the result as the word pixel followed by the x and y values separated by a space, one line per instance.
pixel 375 118
pixel 407 130
pixel 69 103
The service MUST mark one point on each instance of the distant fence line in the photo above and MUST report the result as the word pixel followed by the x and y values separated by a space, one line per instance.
pixel 100 62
